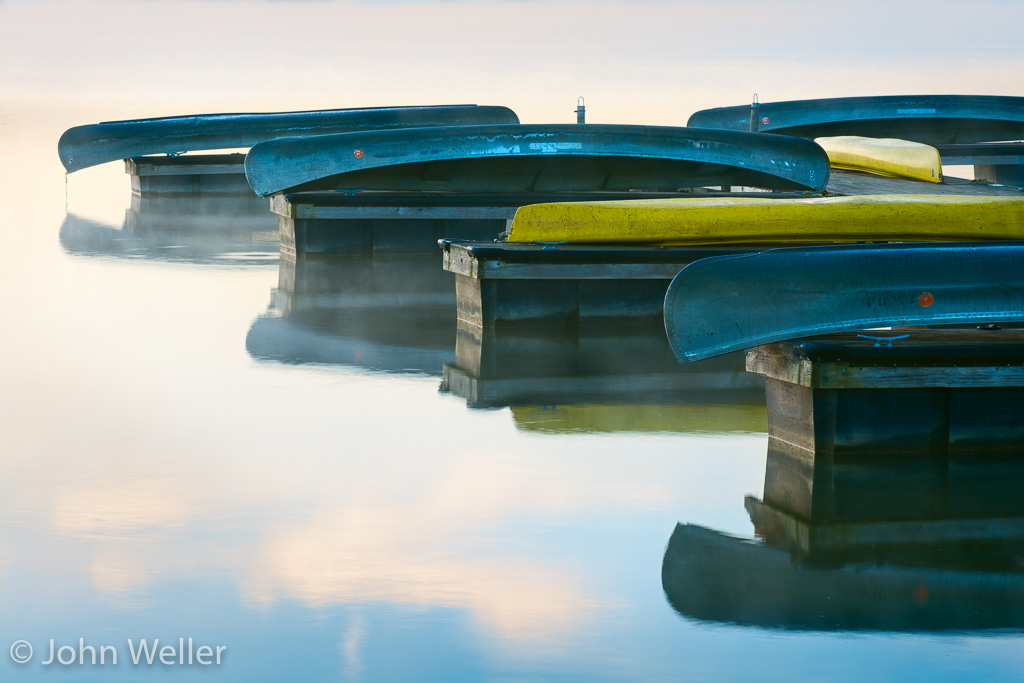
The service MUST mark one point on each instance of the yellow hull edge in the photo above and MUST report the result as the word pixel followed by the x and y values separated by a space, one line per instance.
pixel 722 220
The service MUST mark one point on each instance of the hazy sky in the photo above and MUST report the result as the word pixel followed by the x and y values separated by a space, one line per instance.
pixel 634 62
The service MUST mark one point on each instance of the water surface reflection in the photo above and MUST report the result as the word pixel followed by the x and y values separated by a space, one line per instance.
pixel 328 521
pixel 606 379
pixel 227 231
pixel 860 546
pixel 381 312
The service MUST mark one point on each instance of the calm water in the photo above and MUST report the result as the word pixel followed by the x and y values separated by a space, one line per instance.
pixel 188 452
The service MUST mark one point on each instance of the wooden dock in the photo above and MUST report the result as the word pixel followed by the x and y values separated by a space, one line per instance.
pixel 853 183
pixel 365 223
pixel 994 162
pixel 500 284
pixel 207 175
pixel 930 421
pixel 891 490
pixel 371 221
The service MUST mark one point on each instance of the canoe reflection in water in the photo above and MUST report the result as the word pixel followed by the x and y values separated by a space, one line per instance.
pixel 916 561
pixel 710 576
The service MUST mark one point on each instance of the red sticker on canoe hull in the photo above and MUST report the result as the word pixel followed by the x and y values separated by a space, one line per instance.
pixel 358 154
pixel 926 299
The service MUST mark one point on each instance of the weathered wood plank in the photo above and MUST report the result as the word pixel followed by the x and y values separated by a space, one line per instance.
pixel 929 358
pixel 834 377
pixel 211 164
pixel 987 153
pixel 498 270
pixel 576 262
pixel 852 183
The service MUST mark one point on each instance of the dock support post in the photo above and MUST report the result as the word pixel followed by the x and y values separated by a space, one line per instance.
pixel 930 428
pixel 205 174
pixel 1003 174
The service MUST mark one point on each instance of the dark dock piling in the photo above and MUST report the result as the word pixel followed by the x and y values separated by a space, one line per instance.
pixel 341 222
pixel 501 284
pixel 207 175
pixel 373 222
pixel 926 430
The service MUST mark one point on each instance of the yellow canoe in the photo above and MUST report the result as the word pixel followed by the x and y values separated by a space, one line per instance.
pixel 719 220
pixel 883 156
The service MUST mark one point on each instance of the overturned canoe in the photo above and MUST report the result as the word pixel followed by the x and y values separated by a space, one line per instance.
pixel 84 146
pixel 721 220
pixel 884 156
pixel 930 119
pixel 536 158
pixel 728 303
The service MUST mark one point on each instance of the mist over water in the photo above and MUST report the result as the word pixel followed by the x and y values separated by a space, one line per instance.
pixel 185 455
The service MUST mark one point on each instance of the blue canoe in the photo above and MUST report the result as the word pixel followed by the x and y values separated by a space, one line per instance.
pixel 928 119
pixel 727 303
pixel 84 146
pixel 538 158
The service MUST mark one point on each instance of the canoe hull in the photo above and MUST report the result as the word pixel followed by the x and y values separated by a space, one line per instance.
pixel 753 220
pixel 84 146
pixel 929 119
pixel 887 157
pixel 728 303
pixel 536 158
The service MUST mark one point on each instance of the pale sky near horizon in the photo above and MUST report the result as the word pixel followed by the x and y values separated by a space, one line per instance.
pixel 647 62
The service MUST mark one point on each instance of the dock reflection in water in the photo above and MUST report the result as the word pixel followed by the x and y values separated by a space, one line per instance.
pixel 917 557
pixel 227 231
pixel 381 312
pixel 601 379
